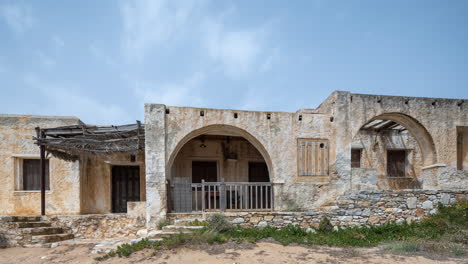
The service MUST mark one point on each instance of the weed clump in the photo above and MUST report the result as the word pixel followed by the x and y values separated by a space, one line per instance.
pixel 219 224
pixel 325 226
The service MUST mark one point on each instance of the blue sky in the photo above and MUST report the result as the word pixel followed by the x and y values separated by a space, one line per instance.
pixel 101 60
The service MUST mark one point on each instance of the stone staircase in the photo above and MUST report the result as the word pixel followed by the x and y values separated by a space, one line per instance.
pixel 32 231
pixel 179 226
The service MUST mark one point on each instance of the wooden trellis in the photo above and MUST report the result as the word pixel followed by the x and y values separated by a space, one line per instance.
pixel 69 142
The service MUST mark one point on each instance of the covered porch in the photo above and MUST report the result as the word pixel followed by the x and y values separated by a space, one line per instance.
pixel 215 172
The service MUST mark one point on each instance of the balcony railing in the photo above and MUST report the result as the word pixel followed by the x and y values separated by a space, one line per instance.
pixel 222 196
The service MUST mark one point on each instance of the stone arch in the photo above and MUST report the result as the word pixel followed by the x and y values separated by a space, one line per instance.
pixel 221 129
pixel 416 129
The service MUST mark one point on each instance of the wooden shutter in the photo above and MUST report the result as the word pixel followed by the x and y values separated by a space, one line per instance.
pixel 32 174
pixel 355 158
pixel 312 157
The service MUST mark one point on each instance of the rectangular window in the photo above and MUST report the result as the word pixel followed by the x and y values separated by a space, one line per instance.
pixel 30 174
pixel 355 158
pixel 312 157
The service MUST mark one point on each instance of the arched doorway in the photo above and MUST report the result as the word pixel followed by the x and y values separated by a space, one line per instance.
pixel 219 168
pixel 389 152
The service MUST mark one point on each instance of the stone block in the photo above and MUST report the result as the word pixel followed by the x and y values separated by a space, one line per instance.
pixel 411 202
pixel 427 205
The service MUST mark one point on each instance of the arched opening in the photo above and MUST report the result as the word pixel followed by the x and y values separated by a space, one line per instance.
pixel 219 168
pixel 389 152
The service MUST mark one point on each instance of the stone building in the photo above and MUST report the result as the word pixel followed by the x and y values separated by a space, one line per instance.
pixel 197 160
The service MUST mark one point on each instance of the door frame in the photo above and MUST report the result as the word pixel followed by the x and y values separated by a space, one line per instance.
pixel 123 164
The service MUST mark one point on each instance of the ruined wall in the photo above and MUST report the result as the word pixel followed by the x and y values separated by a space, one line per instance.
pixel 439 118
pixel 96 180
pixel 16 132
pixel 230 171
pixel 432 122
pixel 373 171
pixel 274 134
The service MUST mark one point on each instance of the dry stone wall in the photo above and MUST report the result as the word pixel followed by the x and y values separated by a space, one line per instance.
pixel 99 226
pixel 358 208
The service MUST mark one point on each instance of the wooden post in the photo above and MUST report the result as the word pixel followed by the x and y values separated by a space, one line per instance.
pixel 40 134
pixel 203 195
pixel 43 180
pixel 222 195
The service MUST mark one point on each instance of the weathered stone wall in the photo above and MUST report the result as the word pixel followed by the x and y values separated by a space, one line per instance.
pixel 230 171
pixel 16 132
pixel 82 226
pixel 357 208
pixel 432 123
pixel 98 226
pixel 96 181
pixel 374 146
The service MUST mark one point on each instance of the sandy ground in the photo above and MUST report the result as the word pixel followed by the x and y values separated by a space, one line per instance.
pixel 263 252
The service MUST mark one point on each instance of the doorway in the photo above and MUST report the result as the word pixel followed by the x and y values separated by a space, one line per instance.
pixel 396 163
pixel 125 187
pixel 204 170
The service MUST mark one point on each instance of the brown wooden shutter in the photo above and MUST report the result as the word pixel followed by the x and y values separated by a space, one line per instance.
pixel 355 158
pixel 32 174
pixel 312 157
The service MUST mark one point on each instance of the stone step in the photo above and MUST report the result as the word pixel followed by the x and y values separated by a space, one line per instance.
pixel 51 238
pixel 160 234
pixel 26 218
pixel 176 228
pixel 187 221
pixel 33 224
pixel 36 231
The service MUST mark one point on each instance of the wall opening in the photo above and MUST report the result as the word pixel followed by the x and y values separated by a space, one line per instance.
pixel 394 149
pixel 220 169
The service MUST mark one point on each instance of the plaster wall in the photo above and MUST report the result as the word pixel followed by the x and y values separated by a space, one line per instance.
pixel 432 122
pixel 16 132
pixel 230 171
pixel 374 146
pixel 96 183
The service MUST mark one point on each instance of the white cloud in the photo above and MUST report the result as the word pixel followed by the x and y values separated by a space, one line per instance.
pixel 57 41
pixel 47 61
pixel 18 17
pixel 237 51
pixel 64 99
pixel 149 23
pixel 183 93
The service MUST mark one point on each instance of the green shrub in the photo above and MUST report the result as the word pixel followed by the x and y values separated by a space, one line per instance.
pixel 163 223
pixel 197 222
pixel 219 224
pixel 325 225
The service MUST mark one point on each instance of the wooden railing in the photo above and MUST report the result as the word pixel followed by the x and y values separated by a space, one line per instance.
pixel 232 196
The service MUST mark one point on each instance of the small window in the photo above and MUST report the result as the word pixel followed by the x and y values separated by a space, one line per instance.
pixel 312 157
pixel 355 158
pixel 29 174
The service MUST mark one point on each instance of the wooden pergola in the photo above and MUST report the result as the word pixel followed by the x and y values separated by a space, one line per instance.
pixel 69 142
pixel 380 125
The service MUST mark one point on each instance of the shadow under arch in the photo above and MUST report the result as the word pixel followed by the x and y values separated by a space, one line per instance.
pixel 221 129
pixel 416 129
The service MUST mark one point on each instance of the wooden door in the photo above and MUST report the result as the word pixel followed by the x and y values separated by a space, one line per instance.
pixel 125 187
pixel 396 163
pixel 204 170
pixel 258 172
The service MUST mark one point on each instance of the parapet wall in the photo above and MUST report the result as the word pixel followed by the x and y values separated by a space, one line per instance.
pixel 358 208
